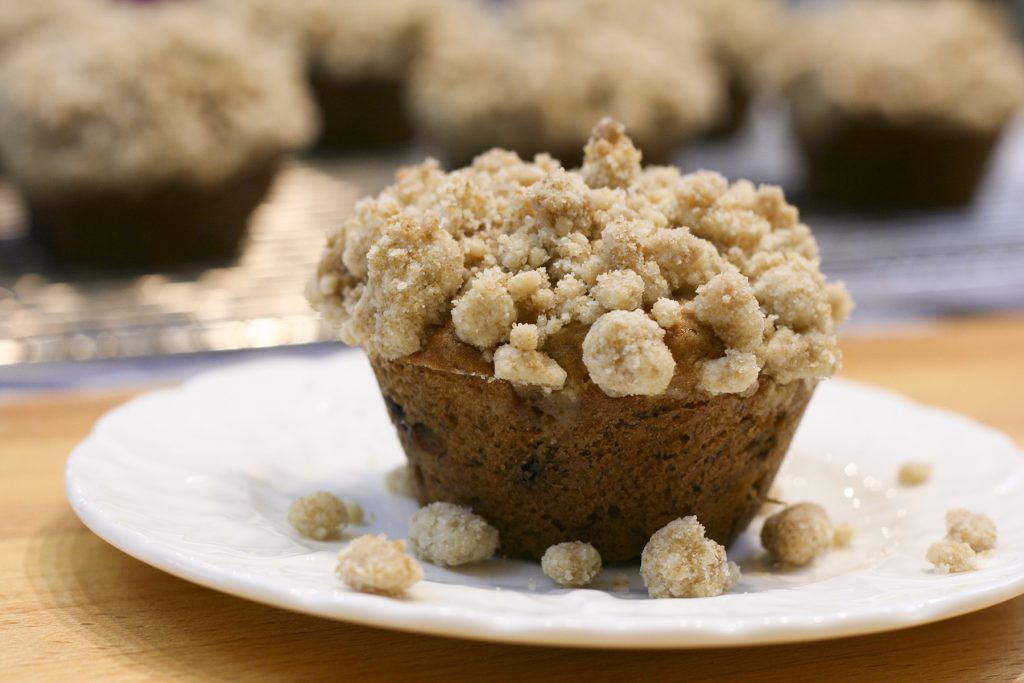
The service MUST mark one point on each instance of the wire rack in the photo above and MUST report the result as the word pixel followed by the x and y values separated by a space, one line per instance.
pixel 905 265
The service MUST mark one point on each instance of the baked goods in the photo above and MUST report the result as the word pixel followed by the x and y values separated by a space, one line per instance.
pixel 373 564
pixel 534 76
pixel 450 535
pixel 681 562
pixel 915 473
pixel 147 135
pixel 976 529
pixel 572 564
pixel 319 515
pixel 486 300
pixel 900 102
pixel 743 33
pixel 357 54
pixel 22 20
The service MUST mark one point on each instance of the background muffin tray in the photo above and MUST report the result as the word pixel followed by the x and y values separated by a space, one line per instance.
pixel 896 265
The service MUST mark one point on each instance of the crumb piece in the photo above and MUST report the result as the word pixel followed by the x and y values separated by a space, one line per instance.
pixel 524 285
pixel 373 564
pixel 572 564
pixel 915 473
pixel 610 159
pixel 355 512
pixel 528 367
pixel 734 373
pixel 679 562
pixel 484 315
pixel 619 290
pixel 620 584
pixel 798 534
pixel 626 355
pixel 772 500
pixel 525 337
pixel 728 304
pixel 531 584
pixel 667 312
pixel 843 535
pixel 450 535
pixel 952 556
pixel 320 515
pixel 400 482
pixel 976 529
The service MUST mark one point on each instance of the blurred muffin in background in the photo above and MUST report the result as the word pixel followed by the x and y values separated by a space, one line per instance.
pixel 147 135
pixel 357 53
pixel 21 19
pixel 900 102
pixel 743 33
pixel 533 76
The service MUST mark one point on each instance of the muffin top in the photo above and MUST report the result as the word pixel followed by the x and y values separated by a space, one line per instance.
pixel 346 39
pixel 538 74
pixel 944 61
pixel 642 279
pixel 19 20
pixel 138 95
pixel 742 31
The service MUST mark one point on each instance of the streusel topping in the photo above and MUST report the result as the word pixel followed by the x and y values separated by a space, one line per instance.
pixel 349 39
pixel 538 74
pixel 145 94
pixel 641 271
pixel 909 60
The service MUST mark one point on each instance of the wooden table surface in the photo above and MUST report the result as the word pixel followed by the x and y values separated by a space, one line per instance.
pixel 73 607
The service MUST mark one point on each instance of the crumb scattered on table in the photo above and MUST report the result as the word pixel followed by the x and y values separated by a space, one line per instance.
pixel 798 534
pixel 620 584
pixel 373 564
pixel 680 562
pixel 573 564
pixel 976 529
pixel 399 481
pixel 320 516
pixel 843 535
pixel 915 473
pixel 952 557
pixel 450 535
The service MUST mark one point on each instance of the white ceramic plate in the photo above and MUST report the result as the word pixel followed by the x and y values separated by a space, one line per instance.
pixel 197 480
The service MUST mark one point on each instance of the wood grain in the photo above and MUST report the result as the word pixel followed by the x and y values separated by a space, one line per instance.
pixel 72 607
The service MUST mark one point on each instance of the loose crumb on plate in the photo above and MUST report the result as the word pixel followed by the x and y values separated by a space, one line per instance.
pixel 843 535
pixel 680 562
pixel 976 529
pixel 450 535
pixel 573 564
pixel 915 473
pixel 356 514
pixel 320 515
pixel 798 534
pixel 373 564
pixel 952 557
pixel 399 481
pixel 620 584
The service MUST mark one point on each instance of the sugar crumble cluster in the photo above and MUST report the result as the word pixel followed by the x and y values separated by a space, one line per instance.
pixel 512 256
pixel 968 534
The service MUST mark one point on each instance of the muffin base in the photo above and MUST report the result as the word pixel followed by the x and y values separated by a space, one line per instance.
pixel 545 468
pixel 737 110
pixel 869 161
pixel 360 114
pixel 166 225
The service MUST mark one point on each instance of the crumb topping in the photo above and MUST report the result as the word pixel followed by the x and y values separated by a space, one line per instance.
pixel 942 61
pixel 574 564
pixel 349 39
pixel 373 564
pixel 680 562
pixel 798 534
pixel 450 535
pixel 742 31
pixel 976 529
pixel 952 557
pixel 145 94
pixel 19 20
pixel 915 473
pixel 662 272
pixel 491 77
pixel 320 515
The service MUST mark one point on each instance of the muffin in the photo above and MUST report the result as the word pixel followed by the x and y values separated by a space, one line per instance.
pixel 586 355
pixel 21 20
pixel 900 102
pixel 357 54
pixel 534 76
pixel 146 136
pixel 743 33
